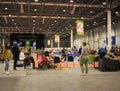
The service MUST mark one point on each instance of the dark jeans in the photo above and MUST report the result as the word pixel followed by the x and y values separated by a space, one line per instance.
pixel 27 63
pixel 15 64
pixel 102 55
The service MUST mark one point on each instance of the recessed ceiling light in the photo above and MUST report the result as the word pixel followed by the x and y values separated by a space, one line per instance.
pixel 55 21
pixel 64 10
pixel 82 17
pixel 104 3
pixel 33 20
pixel 15 23
pixel 35 9
pixel 104 25
pixel 10 15
pixel 36 0
pixel 116 12
pixel 104 18
pixel 71 1
pixel 13 19
pixel 87 25
pixel 113 22
pixel 6 8
pixel 91 11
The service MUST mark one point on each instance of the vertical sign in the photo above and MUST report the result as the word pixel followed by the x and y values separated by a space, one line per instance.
pixel 48 42
pixel 57 38
pixel 80 27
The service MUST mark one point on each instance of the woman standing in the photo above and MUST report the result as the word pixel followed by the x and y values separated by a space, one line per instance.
pixel 84 59
pixel 6 56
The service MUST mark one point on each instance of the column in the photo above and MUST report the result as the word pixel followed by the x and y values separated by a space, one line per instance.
pixel 71 38
pixel 51 43
pixel 109 28
pixel 3 41
pixel 59 44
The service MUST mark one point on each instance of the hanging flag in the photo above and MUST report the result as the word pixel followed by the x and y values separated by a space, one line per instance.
pixel 80 27
pixel 48 42
pixel 57 38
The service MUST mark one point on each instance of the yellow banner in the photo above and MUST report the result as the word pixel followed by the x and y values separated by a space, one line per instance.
pixel 80 27
pixel 57 38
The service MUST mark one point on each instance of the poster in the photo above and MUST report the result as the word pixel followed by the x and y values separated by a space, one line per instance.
pixel 80 27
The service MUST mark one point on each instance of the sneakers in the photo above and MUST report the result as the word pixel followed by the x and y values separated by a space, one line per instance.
pixel 7 73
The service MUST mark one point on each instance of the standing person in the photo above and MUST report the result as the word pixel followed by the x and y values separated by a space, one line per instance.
pixel 84 59
pixel 75 53
pixel 15 51
pixel 80 49
pixel 102 52
pixel 6 56
pixel 64 53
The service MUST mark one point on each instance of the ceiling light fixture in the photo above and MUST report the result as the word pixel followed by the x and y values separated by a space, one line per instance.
pixel 35 9
pixel 15 23
pixel 104 18
pixel 116 13
pixel 64 10
pixel 87 25
pixel 13 19
pixel 10 15
pixel 33 20
pixel 71 1
pixel 6 8
pixel 104 3
pixel 36 0
pixel 82 17
pixel 91 12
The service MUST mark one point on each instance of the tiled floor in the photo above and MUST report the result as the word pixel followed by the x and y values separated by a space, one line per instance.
pixel 58 80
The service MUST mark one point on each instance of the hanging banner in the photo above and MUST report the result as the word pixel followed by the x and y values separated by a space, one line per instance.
pixel 80 27
pixel 57 38
pixel 48 42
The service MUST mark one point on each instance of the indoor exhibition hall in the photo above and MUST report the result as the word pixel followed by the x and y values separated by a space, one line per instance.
pixel 59 45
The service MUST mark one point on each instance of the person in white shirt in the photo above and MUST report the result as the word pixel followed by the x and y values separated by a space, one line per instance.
pixel 22 55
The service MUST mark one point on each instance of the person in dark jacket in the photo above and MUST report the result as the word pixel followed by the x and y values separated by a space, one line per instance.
pixel 29 59
pixel 15 52
pixel 102 52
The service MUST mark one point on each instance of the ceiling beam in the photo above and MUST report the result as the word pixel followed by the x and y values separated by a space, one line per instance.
pixel 55 4
pixel 45 17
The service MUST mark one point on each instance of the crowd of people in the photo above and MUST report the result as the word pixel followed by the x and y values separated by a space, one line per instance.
pixel 52 58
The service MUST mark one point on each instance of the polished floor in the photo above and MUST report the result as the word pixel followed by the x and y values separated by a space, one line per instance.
pixel 58 80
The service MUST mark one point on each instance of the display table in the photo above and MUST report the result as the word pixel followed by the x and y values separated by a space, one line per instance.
pixel 109 65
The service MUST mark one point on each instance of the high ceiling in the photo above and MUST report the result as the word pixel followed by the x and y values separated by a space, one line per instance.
pixel 54 16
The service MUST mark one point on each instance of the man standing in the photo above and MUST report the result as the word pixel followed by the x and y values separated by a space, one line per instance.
pixel 15 51
pixel 84 59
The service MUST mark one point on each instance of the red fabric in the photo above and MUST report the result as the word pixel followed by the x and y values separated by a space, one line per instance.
pixel 45 59
pixel 39 58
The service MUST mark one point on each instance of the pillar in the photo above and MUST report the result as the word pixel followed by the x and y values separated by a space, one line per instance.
pixel 109 28
pixel 71 38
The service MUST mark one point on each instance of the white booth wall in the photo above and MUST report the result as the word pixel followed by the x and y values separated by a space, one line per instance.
pixel 96 37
